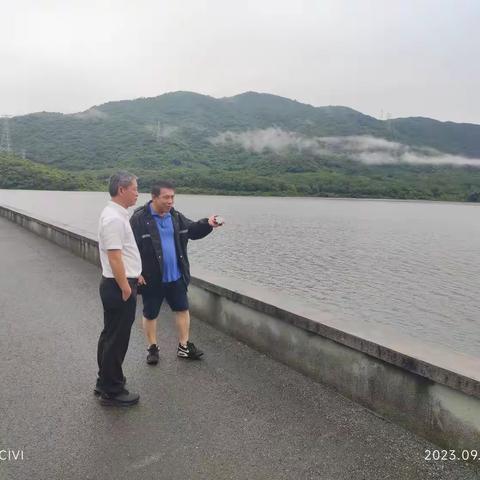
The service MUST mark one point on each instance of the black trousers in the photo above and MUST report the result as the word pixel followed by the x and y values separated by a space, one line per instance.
pixel 118 317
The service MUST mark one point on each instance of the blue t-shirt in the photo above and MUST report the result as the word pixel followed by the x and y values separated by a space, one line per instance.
pixel 171 272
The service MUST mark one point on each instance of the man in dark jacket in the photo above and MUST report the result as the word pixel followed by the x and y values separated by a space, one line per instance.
pixel 162 235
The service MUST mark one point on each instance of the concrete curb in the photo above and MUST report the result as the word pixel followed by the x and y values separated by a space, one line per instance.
pixel 436 400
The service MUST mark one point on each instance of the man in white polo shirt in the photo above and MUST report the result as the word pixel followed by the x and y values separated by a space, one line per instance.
pixel 121 267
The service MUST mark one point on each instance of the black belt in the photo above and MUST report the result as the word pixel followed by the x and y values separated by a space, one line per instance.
pixel 131 280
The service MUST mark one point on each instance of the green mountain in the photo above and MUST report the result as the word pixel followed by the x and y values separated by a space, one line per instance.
pixel 256 143
pixel 27 175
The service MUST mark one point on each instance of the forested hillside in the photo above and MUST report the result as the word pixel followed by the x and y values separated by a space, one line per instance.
pixel 248 144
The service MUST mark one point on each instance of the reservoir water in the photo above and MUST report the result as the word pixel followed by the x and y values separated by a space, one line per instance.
pixel 411 266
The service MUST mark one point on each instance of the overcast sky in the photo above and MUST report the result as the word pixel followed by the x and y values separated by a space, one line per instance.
pixel 393 58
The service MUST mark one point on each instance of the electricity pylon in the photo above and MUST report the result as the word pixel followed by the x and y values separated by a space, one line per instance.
pixel 5 141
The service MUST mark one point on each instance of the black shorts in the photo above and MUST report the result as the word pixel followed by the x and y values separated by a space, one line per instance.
pixel 174 292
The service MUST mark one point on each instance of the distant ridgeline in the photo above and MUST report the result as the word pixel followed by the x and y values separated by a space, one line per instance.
pixel 250 144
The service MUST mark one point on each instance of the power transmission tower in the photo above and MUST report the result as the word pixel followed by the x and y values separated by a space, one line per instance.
pixel 390 127
pixel 5 141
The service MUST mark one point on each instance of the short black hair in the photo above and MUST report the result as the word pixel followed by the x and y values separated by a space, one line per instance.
pixel 157 187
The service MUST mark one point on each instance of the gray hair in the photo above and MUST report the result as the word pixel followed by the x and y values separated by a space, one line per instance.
pixel 119 179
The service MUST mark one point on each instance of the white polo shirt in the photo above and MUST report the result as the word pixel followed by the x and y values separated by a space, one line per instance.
pixel 115 233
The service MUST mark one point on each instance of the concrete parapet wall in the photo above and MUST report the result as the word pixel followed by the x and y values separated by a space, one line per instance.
pixel 80 245
pixel 444 415
pixel 439 401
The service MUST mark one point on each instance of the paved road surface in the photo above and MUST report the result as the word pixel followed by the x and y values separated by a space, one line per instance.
pixel 235 415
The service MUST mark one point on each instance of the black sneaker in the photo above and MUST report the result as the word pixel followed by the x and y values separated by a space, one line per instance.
pixel 152 357
pixel 123 399
pixel 190 351
pixel 98 390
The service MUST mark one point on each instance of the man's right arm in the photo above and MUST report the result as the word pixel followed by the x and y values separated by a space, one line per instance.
pixel 111 236
pixel 135 224
pixel 118 269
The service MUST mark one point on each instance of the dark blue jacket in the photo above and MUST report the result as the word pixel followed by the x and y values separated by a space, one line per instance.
pixel 150 246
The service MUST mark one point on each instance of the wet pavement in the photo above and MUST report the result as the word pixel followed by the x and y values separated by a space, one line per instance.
pixel 237 414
